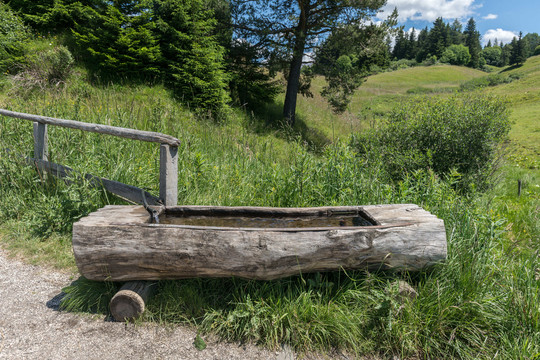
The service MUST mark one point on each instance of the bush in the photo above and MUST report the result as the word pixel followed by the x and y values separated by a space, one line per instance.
pixel 13 35
pixel 490 80
pixel 537 50
pixel 456 55
pixel 402 64
pixel 459 133
pixel 50 68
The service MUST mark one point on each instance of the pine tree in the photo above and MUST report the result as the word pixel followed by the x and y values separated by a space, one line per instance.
pixel 412 48
pixel 488 45
pixel 517 54
pixel 400 47
pixel 421 44
pixel 438 38
pixel 456 35
pixel 472 41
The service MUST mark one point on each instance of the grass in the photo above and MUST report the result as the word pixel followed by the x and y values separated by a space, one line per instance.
pixel 481 303
pixel 524 95
pixel 378 95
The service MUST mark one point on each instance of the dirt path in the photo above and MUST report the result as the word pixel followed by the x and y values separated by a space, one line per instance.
pixel 31 327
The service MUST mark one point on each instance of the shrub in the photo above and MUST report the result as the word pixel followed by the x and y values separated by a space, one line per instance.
pixel 459 133
pixel 537 50
pixel 402 64
pixel 13 35
pixel 50 68
pixel 492 55
pixel 490 80
pixel 456 55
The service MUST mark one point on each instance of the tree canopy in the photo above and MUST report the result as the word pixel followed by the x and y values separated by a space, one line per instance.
pixel 287 31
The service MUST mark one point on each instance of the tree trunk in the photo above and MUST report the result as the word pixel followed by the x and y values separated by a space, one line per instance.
pixel 293 83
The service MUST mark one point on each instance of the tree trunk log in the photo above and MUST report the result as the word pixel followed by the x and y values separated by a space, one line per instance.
pixel 129 302
pixel 118 243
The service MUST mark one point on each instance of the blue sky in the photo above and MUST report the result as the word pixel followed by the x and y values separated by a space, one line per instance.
pixel 501 19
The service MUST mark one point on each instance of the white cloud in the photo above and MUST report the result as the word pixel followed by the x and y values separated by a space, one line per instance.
pixel 490 17
pixel 501 35
pixel 430 9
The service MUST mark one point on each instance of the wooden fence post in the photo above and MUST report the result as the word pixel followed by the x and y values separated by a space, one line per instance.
pixel 168 174
pixel 40 141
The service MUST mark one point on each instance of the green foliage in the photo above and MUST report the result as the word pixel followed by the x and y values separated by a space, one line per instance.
pixel 492 55
pixel 347 57
pixel 46 69
pixel 458 136
pixel 57 16
pixel 13 35
pixel 537 50
pixel 117 45
pixel 472 41
pixel 456 55
pixel 251 85
pixel 169 40
pixel 518 52
pixel 199 343
pixel 490 80
pixel 193 58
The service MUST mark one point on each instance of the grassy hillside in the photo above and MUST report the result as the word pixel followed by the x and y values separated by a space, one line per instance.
pixel 524 97
pixel 378 95
pixel 382 92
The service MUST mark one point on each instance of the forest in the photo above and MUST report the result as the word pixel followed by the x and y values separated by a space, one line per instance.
pixel 289 104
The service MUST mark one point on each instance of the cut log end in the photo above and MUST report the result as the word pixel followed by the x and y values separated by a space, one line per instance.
pixel 129 303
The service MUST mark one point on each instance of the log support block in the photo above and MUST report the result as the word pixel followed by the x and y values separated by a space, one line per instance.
pixel 129 302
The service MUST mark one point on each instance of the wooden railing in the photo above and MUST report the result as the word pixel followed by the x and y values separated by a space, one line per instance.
pixel 168 159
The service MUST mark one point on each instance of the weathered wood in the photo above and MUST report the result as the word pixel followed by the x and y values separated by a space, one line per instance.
pixel 40 141
pixel 119 244
pixel 97 128
pixel 129 302
pixel 128 192
pixel 168 174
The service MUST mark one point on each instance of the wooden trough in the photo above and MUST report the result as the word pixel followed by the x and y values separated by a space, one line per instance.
pixel 119 243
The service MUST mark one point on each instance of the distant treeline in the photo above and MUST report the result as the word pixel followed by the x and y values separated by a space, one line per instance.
pixel 449 43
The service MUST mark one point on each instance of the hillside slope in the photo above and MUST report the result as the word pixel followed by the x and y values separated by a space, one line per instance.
pixel 378 95
pixel 524 97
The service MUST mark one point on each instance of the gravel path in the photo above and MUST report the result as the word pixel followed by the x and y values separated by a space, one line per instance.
pixel 31 327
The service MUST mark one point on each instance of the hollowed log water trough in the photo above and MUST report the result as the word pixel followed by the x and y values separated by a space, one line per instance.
pixel 120 243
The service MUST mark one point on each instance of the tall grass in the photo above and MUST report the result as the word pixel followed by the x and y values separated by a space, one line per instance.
pixel 481 303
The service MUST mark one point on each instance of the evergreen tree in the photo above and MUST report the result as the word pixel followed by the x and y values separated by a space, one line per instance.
pixel 400 47
pixel 412 48
pixel 488 45
pixel 456 35
pixel 517 54
pixel 438 38
pixel 422 42
pixel 506 52
pixel 472 41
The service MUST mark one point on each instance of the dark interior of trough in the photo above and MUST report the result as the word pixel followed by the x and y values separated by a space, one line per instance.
pixel 265 217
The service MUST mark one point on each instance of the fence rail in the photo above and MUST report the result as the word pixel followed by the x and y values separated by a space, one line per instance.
pixel 168 167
